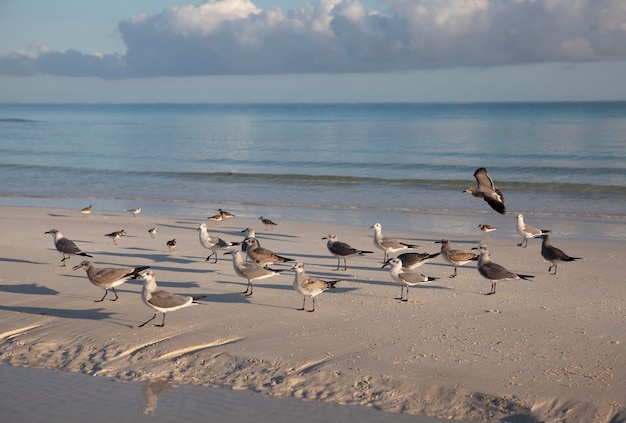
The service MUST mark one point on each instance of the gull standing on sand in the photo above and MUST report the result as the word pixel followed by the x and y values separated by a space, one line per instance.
pixel 553 254
pixel 153 232
pixel 411 261
pixel 116 235
pixel 250 233
pixel 65 246
pixel 85 211
pixel 163 301
pixel 527 231
pixel 134 211
pixel 250 271
pixel 109 278
pixel 487 191
pixel 269 225
pixel 212 243
pixel 493 271
pixel 310 286
pixel 261 255
pixel 405 279
pixel 341 250
pixel 455 257
pixel 388 245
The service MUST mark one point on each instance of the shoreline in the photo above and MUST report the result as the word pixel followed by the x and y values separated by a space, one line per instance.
pixel 549 349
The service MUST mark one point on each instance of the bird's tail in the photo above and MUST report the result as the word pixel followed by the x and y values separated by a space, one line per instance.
pixel 84 255
pixel 137 272
pixel 363 252
pixel 331 284
pixel 526 277
pixel 198 297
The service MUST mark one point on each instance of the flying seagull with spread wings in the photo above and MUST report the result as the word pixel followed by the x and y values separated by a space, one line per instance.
pixel 487 191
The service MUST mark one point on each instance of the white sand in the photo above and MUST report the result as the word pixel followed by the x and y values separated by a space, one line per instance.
pixel 551 349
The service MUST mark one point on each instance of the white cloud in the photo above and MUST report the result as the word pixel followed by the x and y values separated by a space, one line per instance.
pixel 235 37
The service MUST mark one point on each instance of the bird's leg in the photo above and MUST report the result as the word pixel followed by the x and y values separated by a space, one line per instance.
pixel 407 295
pixel 64 258
pixel 313 309
pixel 345 265
pixel 248 288
pixel 303 302
pixel 147 321
pixel 106 291
pixel 116 297
pixel 162 322
pixel 401 292
pixel 454 274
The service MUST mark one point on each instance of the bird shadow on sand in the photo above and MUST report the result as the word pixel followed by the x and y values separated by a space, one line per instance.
pixel 10 260
pixel 30 289
pixel 90 314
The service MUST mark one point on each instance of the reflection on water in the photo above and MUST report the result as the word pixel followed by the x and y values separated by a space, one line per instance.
pixel 151 391
pixel 29 395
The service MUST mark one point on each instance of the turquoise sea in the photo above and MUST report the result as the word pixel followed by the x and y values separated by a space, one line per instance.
pixel 404 165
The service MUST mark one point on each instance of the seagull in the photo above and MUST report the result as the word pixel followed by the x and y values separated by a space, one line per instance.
pixel 261 255
pixel 341 250
pixel 269 225
pixel 225 214
pixel 405 278
pixel 309 286
pixel 65 246
pixel 388 245
pixel 212 243
pixel 163 301
pixel 553 254
pixel 250 233
pixel 487 191
pixel 455 257
pixel 109 278
pixel 411 261
pixel 216 218
pixel 527 231
pixel 85 211
pixel 116 235
pixel 171 245
pixel 152 232
pixel 493 271
pixel 487 229
pixel 134 211
pixel 250 271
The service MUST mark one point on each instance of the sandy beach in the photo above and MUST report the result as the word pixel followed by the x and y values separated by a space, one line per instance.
pixel 550 349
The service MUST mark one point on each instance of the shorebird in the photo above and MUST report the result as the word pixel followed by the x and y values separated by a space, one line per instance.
pixel 341 250
pixel 163 301
pixel 116 235
pixel 261 255
pixel 250 271
pixel 487 229
pixel 152 232
pixel 309 286
pixel 388 245
pixel 212 243
pixel 405 279
pixel 65 246
pixel 85 211
pixel 455 257
pixel 493 271
pixel 134 211
pixel 216 218
pixel 269 225
pixel 225 214
pixel 109 278
pixel 487 191
pixel 171 245
pixel 527 231
pixel 250 233
pixel 553 254
pixel 411 261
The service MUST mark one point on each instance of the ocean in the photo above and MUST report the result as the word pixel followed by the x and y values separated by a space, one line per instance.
pixel 403 165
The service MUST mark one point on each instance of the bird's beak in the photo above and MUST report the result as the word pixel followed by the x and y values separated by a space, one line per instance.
pixel 385 264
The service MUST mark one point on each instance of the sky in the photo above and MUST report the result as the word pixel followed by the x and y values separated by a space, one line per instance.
pixel 312 50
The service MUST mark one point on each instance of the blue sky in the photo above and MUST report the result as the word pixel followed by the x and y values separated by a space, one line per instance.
pixel 316 50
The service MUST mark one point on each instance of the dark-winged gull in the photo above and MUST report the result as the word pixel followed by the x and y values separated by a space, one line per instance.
pixel 211 242
pixel 487 191
pixel 109 278
pixel 250 271
pixel 527 231
pixel 261 255
pixel 553 254
pixel 455 257
pixel 411 261
pixel 405 279
pixel 65 246
pixel 163 301
pixel 269 224
pixel 341 250
pixel 388 245
pixel 493 271
pixel 310 286
pixel 116 235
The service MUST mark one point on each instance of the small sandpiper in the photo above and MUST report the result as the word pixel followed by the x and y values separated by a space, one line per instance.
pixel 134 211
pixel 116 235
pixel 171 245
pixel 85 211
pixel 269 225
